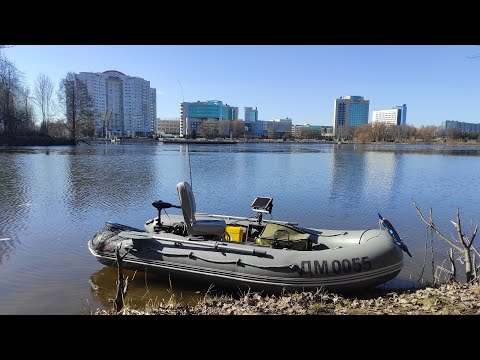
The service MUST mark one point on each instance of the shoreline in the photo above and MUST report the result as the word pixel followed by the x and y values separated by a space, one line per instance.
pixel 445 299
pixel 36 140
pixel 33 140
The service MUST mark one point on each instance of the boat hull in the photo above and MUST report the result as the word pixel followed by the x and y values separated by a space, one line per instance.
pixel 367 261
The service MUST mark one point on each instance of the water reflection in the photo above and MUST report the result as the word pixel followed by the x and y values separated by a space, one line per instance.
pixel 380 175
pixel 143 287
pixel 16 200
pixel 52 200
pixel 347 175
pixel 106 180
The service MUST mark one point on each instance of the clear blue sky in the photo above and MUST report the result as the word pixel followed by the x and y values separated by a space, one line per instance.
pixel 436 82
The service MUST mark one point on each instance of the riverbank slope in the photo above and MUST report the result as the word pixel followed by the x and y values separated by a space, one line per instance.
pixel 448 299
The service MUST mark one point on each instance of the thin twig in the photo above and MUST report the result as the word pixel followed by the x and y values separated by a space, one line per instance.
pixel 432 226
pixel 433 252
pixel 473 236
pixel 424 257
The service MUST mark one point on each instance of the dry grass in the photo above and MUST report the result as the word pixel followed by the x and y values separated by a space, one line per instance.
pixel 452 299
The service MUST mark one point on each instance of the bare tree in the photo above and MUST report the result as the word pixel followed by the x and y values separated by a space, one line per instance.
pixel 426 133
pixel 223 127
pixel 13 113
pixel 43 92
pixel 237 128
pixel 463 245
pixel 345 132
pixel 364 133
pixel 379 131
pixel 308 133
pixel 77 106
pixel 453 134
pixel 209 128
pixel 25 111
pixel 272 131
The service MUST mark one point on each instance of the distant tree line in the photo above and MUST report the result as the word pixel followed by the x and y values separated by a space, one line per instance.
pixel 38 113
pixel 402 133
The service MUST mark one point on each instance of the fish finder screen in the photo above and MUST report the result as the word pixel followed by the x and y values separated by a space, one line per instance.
pixel 262 203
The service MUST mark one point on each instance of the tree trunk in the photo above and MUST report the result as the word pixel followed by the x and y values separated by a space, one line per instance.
pixel 121 284
pixel 468 264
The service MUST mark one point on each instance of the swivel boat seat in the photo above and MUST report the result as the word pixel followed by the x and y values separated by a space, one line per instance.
pixel 197 227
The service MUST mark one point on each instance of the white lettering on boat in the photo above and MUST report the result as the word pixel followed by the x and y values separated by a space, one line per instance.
pixel 336 266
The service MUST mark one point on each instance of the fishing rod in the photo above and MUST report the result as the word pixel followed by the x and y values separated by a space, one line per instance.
pixel 188 146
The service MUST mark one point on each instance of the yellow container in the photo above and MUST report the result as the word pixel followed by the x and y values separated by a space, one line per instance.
pixel 235 233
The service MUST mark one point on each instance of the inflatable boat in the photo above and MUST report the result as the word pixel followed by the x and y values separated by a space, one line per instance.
pixel 252 252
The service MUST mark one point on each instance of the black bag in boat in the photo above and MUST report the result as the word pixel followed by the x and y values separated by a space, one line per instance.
pixel 283 236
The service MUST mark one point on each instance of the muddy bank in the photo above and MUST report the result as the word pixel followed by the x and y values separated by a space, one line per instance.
pixel 451 299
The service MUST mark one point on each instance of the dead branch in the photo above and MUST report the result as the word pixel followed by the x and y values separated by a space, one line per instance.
pixel 473 236
pixel 122 283
pixel 458 226
pixel 475 268
pixel 433 252
pixel 432 226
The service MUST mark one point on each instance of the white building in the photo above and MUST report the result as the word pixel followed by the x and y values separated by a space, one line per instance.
pixel 124 105
pixel 395 116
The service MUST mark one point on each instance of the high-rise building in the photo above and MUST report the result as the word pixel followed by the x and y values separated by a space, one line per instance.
pixel 123 105
pixel 403 114
pixel 192 114
pixel 390 117
pixel 251 114
pixel 350 111
pixel 463 127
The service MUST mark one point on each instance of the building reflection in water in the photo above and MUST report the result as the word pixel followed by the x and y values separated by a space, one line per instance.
pixel 381 172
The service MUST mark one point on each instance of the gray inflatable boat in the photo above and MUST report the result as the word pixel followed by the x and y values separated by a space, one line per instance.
pixel 252 252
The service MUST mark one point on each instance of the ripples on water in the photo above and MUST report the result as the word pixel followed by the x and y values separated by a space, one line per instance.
pixel 54 199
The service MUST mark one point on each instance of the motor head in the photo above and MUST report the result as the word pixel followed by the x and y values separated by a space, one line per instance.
pixel 159 205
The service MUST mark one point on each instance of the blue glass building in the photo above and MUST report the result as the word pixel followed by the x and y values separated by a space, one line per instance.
pixel 251 114
pixel 192 114
pixel 350 111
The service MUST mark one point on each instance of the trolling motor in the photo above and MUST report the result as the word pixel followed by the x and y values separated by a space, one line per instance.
pixel 393 233
pixel 160 205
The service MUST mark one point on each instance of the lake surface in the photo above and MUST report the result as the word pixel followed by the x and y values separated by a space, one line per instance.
pixel 53 200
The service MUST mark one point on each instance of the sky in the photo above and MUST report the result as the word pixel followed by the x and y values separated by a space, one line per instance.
pixel 437 82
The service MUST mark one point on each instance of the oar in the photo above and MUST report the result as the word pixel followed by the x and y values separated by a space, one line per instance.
pixel 177 239
pixel 246 219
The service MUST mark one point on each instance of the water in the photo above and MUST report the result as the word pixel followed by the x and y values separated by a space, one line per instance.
pixel 52 200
